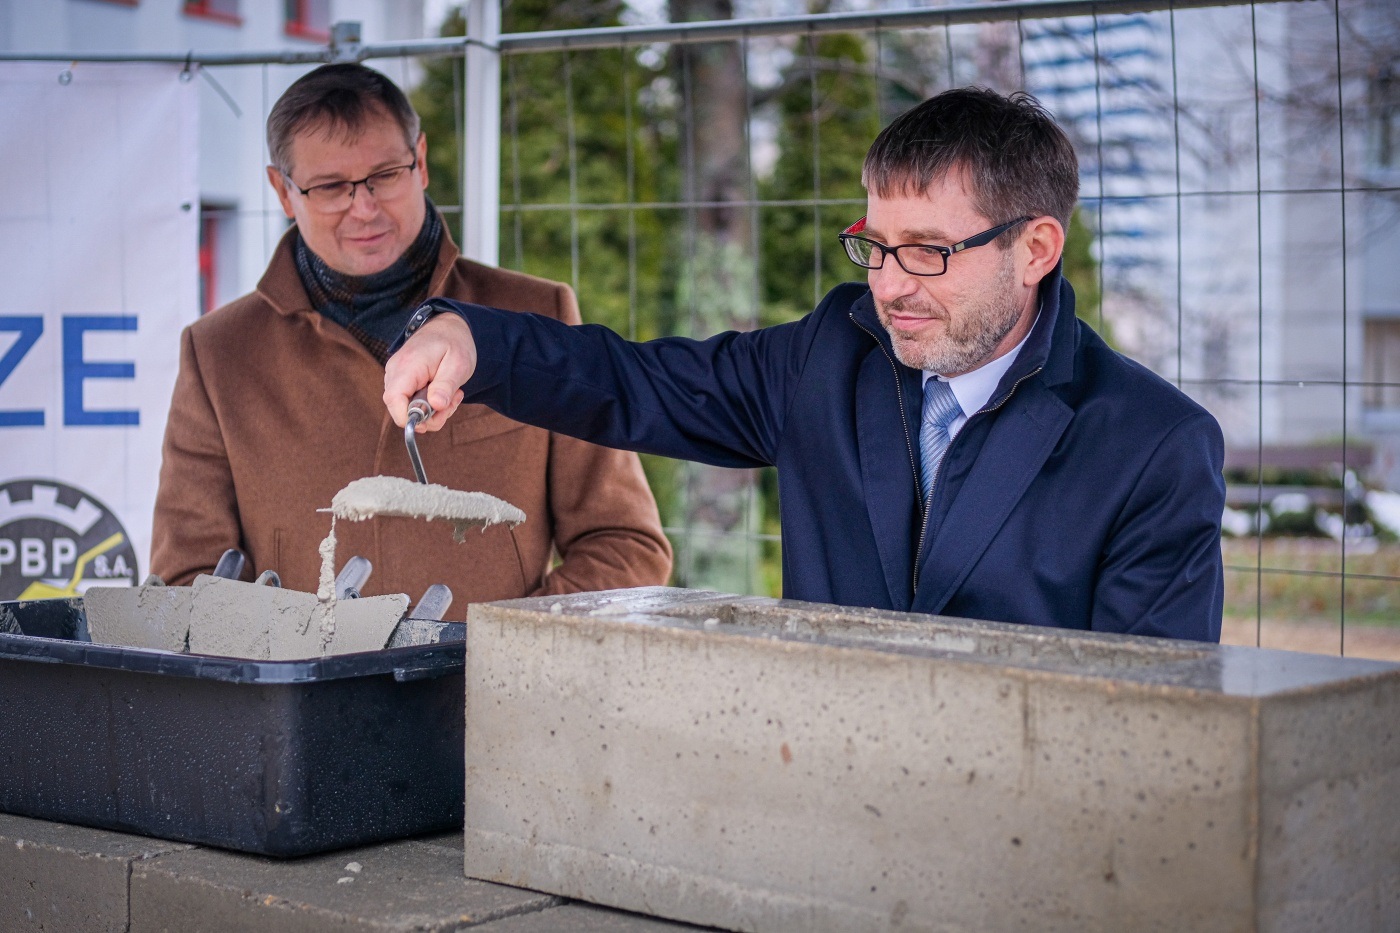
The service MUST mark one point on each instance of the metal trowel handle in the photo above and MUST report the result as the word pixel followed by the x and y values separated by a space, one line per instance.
pixel 352 578
pixel 230 565
pixel 418 411
pixel 433 605
pixel 418 407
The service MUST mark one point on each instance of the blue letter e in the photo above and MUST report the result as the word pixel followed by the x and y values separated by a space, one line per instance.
pixel 76 370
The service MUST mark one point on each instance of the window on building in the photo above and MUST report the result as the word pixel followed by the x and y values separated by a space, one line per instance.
pixel 223 10
pixel 1382 364
pixel 218 255
pixel 309 19
pixel 208 263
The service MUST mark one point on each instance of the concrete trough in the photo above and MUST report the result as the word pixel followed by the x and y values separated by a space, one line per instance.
pixel 758 764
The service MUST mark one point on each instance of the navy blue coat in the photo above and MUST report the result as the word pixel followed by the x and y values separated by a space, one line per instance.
pixel 1087 493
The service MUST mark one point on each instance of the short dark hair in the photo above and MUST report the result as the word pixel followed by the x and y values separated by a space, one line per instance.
pixel 1018 161
pixel 341 97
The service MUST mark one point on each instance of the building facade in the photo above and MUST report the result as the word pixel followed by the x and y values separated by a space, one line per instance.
pixel 240 218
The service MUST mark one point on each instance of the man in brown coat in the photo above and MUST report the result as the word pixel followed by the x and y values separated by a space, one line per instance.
pixel 277 405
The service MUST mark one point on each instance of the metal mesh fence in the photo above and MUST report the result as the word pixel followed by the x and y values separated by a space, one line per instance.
pixel 1238 216
pixel 1237 234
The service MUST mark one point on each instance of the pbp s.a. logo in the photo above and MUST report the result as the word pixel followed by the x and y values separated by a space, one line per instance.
pixel 56 540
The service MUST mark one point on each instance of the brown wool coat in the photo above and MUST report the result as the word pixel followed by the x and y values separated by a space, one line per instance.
pixel 276 408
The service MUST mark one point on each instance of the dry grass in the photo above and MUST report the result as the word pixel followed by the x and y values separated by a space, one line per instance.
pixel 1296 602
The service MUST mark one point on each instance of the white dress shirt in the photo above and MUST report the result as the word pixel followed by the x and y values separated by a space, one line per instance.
pixel 973 390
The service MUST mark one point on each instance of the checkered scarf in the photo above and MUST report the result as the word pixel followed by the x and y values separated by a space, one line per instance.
pixel 374 308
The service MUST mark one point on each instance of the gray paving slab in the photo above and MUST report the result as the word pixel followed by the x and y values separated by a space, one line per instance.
pixel 585 918
pixel 399 886
pixel 67 879
pixel 452 839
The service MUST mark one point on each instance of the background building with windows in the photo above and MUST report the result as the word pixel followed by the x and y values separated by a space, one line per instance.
pixel 1213 181
pixel 239 215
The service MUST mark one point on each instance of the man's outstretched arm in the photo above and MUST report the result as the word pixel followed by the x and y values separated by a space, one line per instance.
pixel 720 401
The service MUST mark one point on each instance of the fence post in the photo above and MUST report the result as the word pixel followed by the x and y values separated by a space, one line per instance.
pixel 481 122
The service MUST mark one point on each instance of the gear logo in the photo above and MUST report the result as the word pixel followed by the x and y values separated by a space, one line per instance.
pixel 56 541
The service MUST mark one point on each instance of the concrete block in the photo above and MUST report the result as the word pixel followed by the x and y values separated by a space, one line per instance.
pixel 401 886
pixel 758 764
pixel 67 879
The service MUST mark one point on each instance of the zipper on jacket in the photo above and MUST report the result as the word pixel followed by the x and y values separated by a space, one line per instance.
pixel 933 486
pixel 908 443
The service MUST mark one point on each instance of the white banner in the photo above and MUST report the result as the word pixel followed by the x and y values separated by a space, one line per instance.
pixel 98 275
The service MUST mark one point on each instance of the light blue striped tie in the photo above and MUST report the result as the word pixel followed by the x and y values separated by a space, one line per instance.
pixel 941 409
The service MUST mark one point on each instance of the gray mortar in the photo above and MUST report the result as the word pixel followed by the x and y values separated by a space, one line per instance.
pixel 148 616
pixel 396 496
pixel 390 496
pixel 325 590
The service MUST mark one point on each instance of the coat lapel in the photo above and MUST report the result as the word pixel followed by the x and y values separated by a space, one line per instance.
pixel 887 470
pixel 1017 446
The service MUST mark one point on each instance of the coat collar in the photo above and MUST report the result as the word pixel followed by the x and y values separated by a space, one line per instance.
pixel 1055 338
pixel 280 286
pixel 887 422
pixel 1049 348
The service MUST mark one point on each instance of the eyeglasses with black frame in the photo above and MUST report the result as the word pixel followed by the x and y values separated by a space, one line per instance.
pixel 914 258
pixel 385 184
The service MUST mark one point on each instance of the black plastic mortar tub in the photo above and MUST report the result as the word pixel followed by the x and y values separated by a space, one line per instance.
pixel 275 757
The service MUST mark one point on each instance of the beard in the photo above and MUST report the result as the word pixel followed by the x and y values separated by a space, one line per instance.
pixel 970 334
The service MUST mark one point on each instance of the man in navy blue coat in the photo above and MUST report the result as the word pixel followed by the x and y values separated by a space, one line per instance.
pixel 1068 486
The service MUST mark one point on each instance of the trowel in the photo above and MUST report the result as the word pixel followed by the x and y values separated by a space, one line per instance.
pixel 433 606
pixel 230 565
pixel 151 615
pixel 229 618
pixel 353 577
pixel 418 411
pixel 423 624
pixel 378 496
